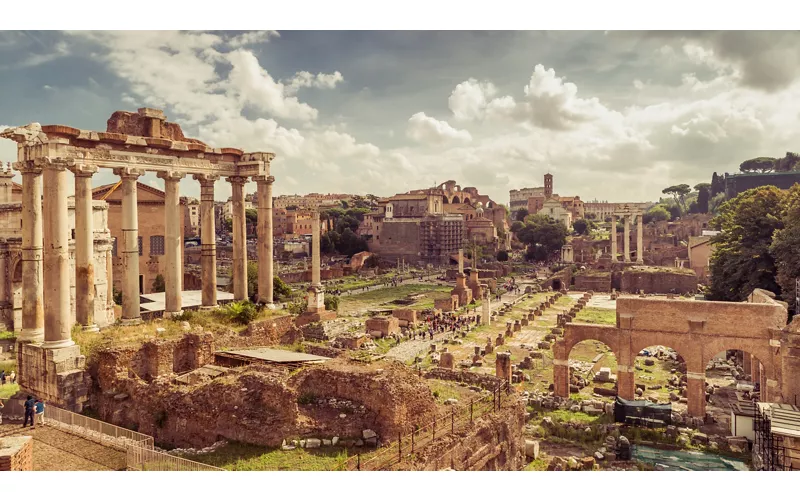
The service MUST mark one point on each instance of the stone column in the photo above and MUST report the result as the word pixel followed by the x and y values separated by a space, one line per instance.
pixel 639 238
pixel 173 240
pixel 502 366
pixel 57 315
pixel 265 252
pixel 486 306
pixel 460 261
pixel 613 237
pixel 208 239
pixel 627 237
pixel 239 238
pixel 315 257
pixel 131 313
pixel 6 185
pixel 32 276
pixel 84 247
pixel 696 394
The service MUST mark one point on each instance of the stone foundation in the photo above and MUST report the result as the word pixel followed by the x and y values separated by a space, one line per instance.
pixel 57 376
pixel 16 453
pixel 383 326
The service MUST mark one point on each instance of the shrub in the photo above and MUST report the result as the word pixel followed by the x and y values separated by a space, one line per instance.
pixel 296 307
pixel 502 256
pixel 159 285
pixel 331 303
pixel 241 312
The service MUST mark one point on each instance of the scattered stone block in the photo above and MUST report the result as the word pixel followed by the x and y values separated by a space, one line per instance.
pixel 532 449
pixel 313 443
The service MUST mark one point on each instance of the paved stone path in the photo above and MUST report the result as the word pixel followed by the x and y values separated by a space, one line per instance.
pixel 56 450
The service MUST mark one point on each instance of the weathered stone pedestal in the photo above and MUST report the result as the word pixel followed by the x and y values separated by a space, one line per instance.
pixel 57 376
pixel 16 453
pixel 315 310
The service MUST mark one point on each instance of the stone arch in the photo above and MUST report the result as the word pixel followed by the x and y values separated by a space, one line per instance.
pixel 445 200
pixel 489 204
pixel 647 383
pixel 610 360
pixel 456 199
pixel 466 200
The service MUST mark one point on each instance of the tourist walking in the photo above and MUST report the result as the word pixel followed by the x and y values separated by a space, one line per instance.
pixel 30 404
pixel 12 379
pixel 2 377
pixel 1 413
pixel 40 411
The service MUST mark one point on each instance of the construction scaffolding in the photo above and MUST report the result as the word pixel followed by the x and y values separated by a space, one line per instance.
pixel 777 437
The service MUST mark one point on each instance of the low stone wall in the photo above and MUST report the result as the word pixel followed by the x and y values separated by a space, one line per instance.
pixel 280 330
pixel 596 282
pixel 488 382
pixel 318 350
pixel 656 281
pixel 406 316
pixel 385 325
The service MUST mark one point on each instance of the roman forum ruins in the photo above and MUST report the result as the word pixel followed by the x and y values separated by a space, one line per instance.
pixel 134 143
pixel 627 212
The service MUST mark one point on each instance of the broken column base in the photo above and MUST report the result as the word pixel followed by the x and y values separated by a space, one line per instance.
pixel 57 376
pixel 16 453
pixel 314 317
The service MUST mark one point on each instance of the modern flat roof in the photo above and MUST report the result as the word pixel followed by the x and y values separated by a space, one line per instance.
pixel 154 302
pixel 275 355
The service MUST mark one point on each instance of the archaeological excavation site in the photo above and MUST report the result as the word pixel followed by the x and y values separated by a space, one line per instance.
pixel 166 303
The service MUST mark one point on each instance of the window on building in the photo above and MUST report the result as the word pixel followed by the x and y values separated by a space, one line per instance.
pixel 140 246
pixel 156 245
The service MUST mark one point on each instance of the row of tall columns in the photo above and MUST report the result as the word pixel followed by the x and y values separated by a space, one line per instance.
pixel 315 258
pixel 45 250
pixel 627 238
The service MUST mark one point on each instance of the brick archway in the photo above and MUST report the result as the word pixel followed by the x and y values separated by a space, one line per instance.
pixel 697 330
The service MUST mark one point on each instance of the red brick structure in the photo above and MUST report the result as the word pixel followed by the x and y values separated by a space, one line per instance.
pixel 16 453
pixel 698 331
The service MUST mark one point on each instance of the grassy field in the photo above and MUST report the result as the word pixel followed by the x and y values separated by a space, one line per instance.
pixel 597 315
pixel 7 335
pixel 245 457
pixel 7 390
pixel 383 297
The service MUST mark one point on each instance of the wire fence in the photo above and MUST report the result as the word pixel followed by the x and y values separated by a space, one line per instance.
pixel 140 452
pixel 446 423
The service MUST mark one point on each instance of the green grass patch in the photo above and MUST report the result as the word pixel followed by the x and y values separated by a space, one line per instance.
pixel 7 335
pixel 246 457
pixel 540 464
pixel 597 315
pixel 7 390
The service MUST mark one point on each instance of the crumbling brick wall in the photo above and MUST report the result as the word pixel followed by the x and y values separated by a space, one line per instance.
pixel 597 282
pixel 386 325
pixel 273 331
pixel 390 390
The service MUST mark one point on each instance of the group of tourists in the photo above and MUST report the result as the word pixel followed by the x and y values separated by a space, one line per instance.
pixel 7 377
pixel 445 323
pixel 33 407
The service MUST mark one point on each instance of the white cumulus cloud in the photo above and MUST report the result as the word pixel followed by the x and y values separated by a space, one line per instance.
pixel 426 129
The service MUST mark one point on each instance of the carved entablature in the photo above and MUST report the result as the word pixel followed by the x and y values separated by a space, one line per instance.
pixel 165 151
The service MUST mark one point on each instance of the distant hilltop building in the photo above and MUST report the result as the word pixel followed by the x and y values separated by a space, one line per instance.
pixel 430 225
pixel 734 184
pixel 311 200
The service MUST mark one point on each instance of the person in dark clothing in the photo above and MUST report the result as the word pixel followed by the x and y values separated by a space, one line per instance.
pixel 30 405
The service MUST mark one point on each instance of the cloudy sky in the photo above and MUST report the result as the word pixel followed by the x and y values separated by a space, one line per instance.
pixel 612 115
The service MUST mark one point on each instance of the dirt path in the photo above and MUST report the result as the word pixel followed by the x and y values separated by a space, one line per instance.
pixel 55 450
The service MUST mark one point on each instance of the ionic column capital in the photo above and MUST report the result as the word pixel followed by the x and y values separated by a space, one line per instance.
pixel 171 175
pixel 264 179
pixel 83 170
pixel 206 178
pixel 27 167
pixel 57 164
pixel 128 172
pixel 237 179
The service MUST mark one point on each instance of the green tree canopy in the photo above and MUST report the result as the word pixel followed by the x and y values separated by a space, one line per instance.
pixel 521 214
pixel 502 256
pixel 741 261
pixel 785 247
pixel 679 192
pixel 657 213
pixel 581 226
pixel 703 197
pixel 760 164
pixel 516 226
pixel 699 187
pixel 543 231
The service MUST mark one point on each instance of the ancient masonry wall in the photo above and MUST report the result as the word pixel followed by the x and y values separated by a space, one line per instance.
pixel 598 282
pixel 489 382
pixel 494 442
pixel 658 282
